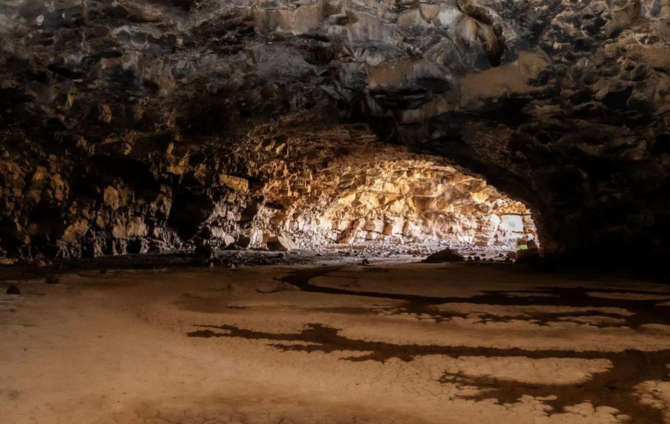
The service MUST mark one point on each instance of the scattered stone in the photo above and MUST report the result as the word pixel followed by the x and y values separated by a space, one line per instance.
pixel 8 261
pixel 52 279
pixel 446 255
pixel 365 262
pixel 281 243
pixel 529 258
pixel 13 289
pixel 530 251
pixel 203 255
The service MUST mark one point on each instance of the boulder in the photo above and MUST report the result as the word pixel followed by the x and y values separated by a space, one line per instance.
pixel 242 242
pixel 281 243
pixel 12 289
pixel 513 256
pixel 203 255
pixel 446 255
pixel 527 252
pixel 51 279
pixel 532 259
pixel 529 257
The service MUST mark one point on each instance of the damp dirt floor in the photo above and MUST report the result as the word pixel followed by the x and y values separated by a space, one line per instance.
pixel 384 343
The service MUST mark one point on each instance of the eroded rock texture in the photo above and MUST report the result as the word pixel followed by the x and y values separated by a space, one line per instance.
pixel 390 197
pixel 278 192
pixel 152 105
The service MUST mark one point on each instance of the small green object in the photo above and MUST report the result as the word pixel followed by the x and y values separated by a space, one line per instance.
pixel 523 247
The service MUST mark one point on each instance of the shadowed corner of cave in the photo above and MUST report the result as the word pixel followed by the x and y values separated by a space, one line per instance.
pixel 334 211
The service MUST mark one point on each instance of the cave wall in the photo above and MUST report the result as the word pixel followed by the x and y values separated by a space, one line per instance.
pixel 277 191
pixel 560 104
pixel 393 198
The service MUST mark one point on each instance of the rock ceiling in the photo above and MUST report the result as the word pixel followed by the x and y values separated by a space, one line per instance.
pixel 560 104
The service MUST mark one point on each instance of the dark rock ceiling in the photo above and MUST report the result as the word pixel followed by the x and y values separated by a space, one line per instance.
pixel 560 104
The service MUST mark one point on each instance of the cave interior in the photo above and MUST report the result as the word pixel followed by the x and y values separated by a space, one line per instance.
pixel 334 211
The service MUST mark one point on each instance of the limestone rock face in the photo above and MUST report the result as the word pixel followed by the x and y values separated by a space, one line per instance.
pixel 131 120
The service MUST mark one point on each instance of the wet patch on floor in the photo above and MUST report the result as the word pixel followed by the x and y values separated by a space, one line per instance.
pixel 644 307
pixel 616 386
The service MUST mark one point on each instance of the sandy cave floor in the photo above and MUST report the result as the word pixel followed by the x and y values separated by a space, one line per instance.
pixel 385 343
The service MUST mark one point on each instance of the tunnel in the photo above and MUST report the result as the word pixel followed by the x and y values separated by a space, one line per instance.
pixel 334 211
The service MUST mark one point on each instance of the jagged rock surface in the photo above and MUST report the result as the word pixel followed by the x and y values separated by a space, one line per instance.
pixel 260 197
pixel 392 198
pixel 149 105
